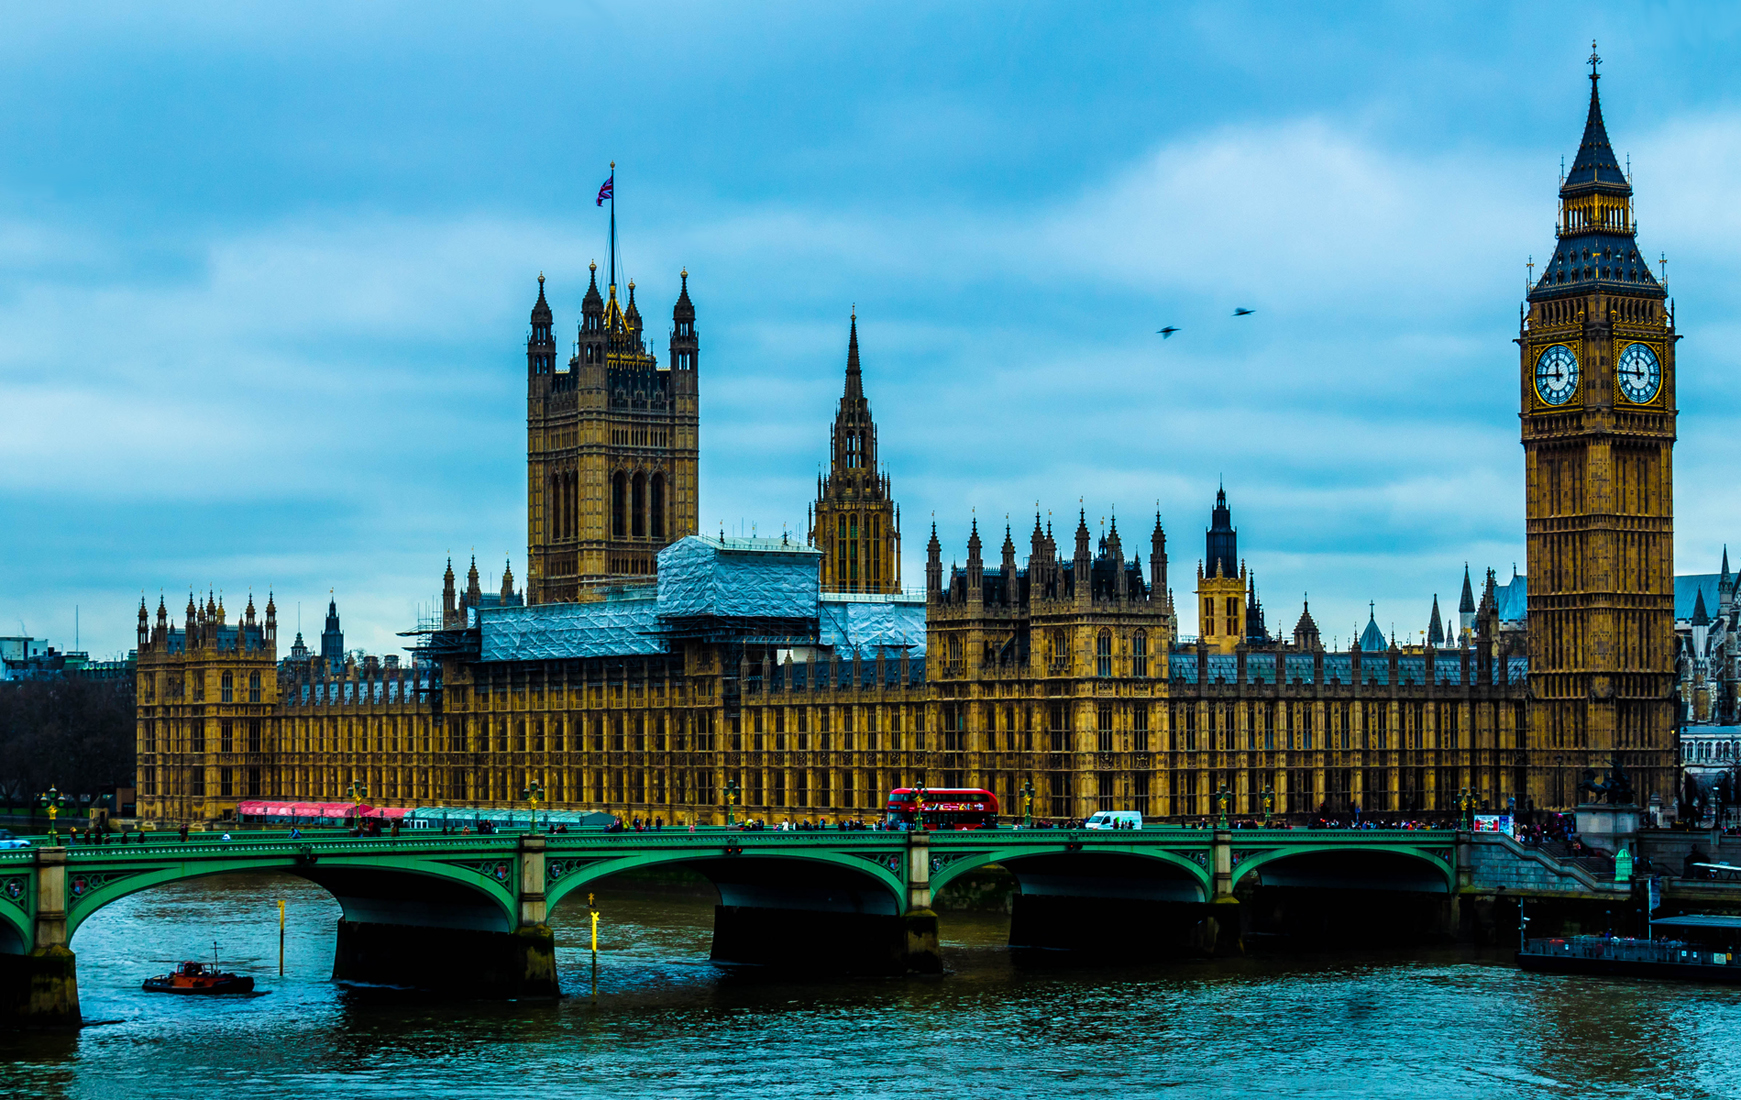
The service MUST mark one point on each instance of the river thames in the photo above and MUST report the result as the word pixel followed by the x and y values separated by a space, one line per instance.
pixel 1434 1023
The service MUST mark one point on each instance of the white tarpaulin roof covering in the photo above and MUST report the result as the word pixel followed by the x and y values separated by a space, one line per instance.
pixel 738 578
pixel 553 631
pixel 862 623
pixel 709 578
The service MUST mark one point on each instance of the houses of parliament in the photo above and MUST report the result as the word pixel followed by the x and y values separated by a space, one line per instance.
pixel 649 669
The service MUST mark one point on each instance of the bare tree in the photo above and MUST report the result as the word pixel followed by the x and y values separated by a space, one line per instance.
pixel 74 733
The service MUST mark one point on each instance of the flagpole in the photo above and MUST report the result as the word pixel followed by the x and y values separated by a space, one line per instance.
pixel 613 226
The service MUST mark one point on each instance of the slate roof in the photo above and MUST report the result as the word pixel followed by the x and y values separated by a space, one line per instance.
pixel 1596 257
pixel 1689 589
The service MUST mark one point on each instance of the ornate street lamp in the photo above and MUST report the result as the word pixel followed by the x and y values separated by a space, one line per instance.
pixel 1028 803
pixel 731 799
pixel 358 794
pixel 919 809
pixel 54 802
pixel 1269 805
pixel 534 793
pixel 1222 798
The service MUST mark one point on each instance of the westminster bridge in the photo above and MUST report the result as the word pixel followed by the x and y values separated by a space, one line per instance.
pixel 468 913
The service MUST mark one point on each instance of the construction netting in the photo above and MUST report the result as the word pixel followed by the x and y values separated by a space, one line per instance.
pixel 862 624
pixel 700 576
pixel 620 627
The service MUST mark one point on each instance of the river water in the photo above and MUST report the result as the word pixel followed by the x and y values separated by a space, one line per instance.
pixel 666 1023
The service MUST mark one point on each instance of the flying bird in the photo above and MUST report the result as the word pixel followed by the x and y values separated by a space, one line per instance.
pixel 1241 311
pixel 1168 331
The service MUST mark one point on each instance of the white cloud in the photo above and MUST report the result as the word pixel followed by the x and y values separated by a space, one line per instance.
pixel 348 383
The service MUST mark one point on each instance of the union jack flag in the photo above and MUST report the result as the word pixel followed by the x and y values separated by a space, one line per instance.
pixel 604 191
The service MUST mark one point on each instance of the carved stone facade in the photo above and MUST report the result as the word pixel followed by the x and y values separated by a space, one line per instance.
pixel 1597 382
pixel 612 447
pixel 854 521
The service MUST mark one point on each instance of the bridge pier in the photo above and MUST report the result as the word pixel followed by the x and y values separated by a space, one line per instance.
pixel 826 920
pixel 41 988
pixel 921 952
pixel 1221 926
pixel 448 953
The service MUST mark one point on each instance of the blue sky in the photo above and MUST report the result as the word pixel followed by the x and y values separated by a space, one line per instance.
pixel 265 272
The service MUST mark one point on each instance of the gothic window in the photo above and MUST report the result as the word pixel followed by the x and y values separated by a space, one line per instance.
pixel 253 687
pixel 657 504
pixel 1103 728
pixel 954 654
pixel 1103 654
pixel 1140 727
pixel 619 504
pixel 1139 653
pixel 1208 615
pixel 1058 653
pixel 638 505
pixel 1233 616
pixel 228 689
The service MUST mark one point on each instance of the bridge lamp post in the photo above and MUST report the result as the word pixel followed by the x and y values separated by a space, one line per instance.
pixel 54 802
pixel 358 793
pixel 731 796
pixel 534 793
pixel 919 809
pixel 1222 798
pixel 1028 803
pixel 1269 804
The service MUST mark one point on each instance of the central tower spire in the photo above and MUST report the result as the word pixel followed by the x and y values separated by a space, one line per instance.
pixel 855 522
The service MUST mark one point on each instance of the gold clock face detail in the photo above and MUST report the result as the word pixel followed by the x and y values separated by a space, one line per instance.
pixel 1640 374
pixel 1556 374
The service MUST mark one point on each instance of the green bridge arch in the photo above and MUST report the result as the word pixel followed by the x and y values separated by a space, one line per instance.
pixel 1251 861
pixel 566 872
pixel 89 891
pixel 946 865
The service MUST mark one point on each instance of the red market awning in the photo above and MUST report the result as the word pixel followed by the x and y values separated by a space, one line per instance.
pixel 260 808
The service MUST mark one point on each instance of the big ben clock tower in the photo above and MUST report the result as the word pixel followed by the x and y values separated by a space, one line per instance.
pixel 1598 412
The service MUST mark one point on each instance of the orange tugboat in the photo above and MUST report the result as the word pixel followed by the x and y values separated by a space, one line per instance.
pixel 197 977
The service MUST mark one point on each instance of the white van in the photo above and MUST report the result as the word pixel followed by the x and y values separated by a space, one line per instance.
pixel 1114 819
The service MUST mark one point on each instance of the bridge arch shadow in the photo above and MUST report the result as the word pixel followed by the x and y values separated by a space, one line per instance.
pixel 811 911
pixel 431 895
pixel 1138 901
pixel 430 925
pixel 1368 895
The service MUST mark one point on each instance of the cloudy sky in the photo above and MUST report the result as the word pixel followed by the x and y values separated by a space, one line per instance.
pixel 265 273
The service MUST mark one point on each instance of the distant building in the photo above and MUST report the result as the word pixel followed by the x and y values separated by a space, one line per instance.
pixel 1708 648
pixel 25 658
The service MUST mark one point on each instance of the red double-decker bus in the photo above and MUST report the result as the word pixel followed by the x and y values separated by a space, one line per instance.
pixel 943 807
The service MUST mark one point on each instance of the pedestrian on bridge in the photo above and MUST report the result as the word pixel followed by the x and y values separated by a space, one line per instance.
pixel 184 833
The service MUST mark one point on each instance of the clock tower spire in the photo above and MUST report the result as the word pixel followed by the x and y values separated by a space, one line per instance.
pixel 1597 393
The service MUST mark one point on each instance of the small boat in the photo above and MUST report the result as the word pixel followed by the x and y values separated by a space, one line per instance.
pixel 1624 956
pixel 197 977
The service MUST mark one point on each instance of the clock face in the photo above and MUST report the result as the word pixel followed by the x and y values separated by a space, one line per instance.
pixel 1556 375
pixel 1640 374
